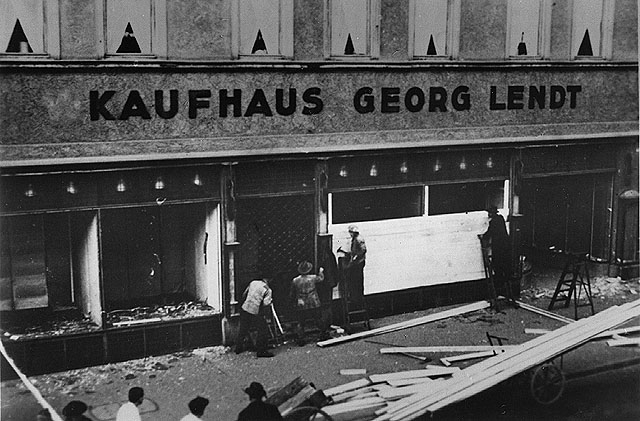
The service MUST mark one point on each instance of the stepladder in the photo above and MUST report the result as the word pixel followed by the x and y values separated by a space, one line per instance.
pixel 354 308
pixel 574 282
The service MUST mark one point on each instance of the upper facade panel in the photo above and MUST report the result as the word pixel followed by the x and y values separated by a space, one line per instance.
pixel 344 31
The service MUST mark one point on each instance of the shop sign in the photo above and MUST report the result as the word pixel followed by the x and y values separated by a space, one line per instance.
pixel 167 104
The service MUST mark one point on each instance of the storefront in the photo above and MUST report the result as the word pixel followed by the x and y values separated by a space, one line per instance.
pixel 142 189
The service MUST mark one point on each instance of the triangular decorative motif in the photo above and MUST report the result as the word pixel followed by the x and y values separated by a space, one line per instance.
pixel 348 47
pixel 522 46
pixel 129 42
pixel 585 46
pixel 18 43
pixel 259 46
pixel 431 48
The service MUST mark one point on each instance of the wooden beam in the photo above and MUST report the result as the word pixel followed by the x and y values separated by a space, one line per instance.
pixel 411 374
pixel 464 357
pixel 624 342
pixel 545 312
pixel 607 334
pixel 407 324
pixel 347 387
pixel 446 348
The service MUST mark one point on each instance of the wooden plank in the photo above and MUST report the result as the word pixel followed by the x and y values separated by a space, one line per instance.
pixel 624 342
pixel 490 372
pixel 464 357
pixel 607 334
pixel 407 324
pixel 296 400
pixel 410 374
pixel 401 392
pixel 341 397
pixel 408 382
pixel 355 410
pixel 287 392
pixel 445 348
pixel 544 312
pixel 356 384
pixel 353 371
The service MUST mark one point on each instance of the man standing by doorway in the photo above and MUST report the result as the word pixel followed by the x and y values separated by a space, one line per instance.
pixel 354 270
pixel 497 236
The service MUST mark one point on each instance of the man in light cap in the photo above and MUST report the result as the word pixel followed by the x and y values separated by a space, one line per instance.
pixel 354 270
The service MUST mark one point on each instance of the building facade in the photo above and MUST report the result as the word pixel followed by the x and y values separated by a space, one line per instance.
pixel 158 155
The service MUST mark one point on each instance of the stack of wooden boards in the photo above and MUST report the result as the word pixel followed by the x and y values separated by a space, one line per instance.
pixel 297 393
pixel 400 396
pixel 359 399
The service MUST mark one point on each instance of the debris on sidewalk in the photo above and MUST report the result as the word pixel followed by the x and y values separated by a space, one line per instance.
pixel 407 324
pixel 410 394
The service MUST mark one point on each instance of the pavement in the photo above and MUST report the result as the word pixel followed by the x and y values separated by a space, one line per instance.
pixel 220 375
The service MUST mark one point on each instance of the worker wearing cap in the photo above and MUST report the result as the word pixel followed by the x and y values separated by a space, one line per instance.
pixel 307 302
pixel 354 270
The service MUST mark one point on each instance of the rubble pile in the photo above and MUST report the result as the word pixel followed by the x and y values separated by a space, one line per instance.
pixel 601 286
pixel 85 380
pixel 184 310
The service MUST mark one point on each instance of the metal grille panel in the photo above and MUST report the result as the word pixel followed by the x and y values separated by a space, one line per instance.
pixel 275 234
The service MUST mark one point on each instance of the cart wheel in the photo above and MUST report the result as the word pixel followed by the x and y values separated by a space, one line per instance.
pixel 547 384
pixel 307 413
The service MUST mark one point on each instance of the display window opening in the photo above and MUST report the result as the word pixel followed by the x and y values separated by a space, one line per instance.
pixel 49 276
pixel 160 262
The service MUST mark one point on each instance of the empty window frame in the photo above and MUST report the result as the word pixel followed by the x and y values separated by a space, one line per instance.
pixel 354 29
pixel 592 33
pixel 377 204
pixel 434 29
pixel 465 197
pixel 262 28
pixel 529 28
pixel 29 28
pixel 134 28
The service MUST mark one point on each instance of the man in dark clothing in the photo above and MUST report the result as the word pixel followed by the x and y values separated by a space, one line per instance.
pixel 327 260
pixel 353 266
pixel 498 237
pixel 258 409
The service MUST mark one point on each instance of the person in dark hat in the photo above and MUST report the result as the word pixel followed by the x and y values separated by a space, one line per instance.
pixel 307 302
pixel 258 409
pixel 196 406
pixel 74 411
pixel 497 237
pixel 257 297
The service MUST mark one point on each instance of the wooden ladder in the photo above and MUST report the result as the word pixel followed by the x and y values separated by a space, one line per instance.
pixel 573 281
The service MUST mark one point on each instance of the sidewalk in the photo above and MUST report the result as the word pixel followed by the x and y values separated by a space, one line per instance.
pixel 170 381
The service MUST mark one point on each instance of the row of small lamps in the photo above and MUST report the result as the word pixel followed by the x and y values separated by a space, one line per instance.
pixel 121 186
pixel 404 168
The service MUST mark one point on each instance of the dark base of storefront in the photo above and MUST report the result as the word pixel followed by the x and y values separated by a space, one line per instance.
pixel 78 350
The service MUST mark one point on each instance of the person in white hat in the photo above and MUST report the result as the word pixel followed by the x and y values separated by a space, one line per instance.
pixel 354 269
